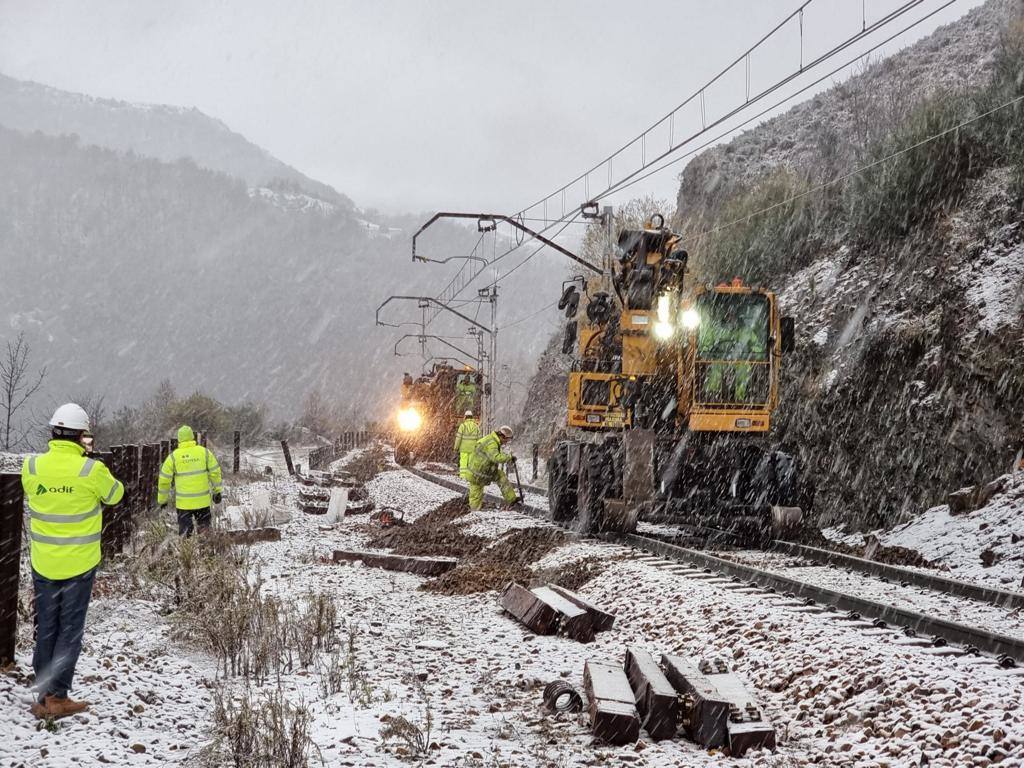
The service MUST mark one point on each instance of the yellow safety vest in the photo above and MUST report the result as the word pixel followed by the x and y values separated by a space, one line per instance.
pixel 483 464
pixel 466 436
pixel 195 474
pixel 64 491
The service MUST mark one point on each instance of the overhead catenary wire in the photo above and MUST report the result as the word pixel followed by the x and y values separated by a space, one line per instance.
pixel 625 184
pixel 530 316
pixel 699 93
pixel 812 190
pixel 695 95
pixel 567 218
pixel 864 32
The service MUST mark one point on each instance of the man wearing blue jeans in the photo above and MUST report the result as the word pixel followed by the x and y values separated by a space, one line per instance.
pixel 65 492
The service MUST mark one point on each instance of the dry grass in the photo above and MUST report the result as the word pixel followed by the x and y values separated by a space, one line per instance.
pixel 215 597
pixel 259 733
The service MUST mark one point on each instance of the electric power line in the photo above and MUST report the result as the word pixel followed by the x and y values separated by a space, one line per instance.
pixel 622 183
pixel 619 186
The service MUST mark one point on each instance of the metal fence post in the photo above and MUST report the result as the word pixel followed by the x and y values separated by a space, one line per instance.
pixel 287 457
pixel 11 521
pixel 237 459
pixel 536 458
pixel 150 467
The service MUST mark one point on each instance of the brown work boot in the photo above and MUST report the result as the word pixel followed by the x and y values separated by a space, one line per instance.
pixel 56 706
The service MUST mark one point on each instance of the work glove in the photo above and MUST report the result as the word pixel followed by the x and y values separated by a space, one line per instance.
pixel 216 498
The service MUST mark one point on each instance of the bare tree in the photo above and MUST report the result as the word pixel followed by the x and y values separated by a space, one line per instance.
pixel 17 385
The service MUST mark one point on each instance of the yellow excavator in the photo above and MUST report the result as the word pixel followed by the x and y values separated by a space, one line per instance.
pixel 670 400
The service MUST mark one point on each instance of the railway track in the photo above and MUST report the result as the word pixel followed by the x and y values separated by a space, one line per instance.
pixel 934 633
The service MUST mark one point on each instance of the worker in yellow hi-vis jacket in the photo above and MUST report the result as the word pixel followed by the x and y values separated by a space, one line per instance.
pixel 466 437
pixel 65 492
pixel 485 466
pixel 195 474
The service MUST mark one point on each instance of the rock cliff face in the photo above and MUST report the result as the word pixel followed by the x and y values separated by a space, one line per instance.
pixel 909 377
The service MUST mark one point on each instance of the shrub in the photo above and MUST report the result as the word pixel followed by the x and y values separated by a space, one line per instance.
pixel 889 199
pixel 760 234
pixel 1003 132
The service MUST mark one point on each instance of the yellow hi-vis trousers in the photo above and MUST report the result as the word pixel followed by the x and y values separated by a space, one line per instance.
pixel 476 489
pixel 464 463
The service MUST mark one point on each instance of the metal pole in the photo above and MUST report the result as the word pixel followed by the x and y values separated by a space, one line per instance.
pixel 536 458
pixel 609 224
pixel 287 457
pixel 237 452
pixel 11 521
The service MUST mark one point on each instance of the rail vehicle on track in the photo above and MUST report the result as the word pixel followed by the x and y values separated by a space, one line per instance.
pixel 431 408
pixel 671 396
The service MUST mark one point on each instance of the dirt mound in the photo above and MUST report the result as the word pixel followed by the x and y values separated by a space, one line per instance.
pixel 572 575
pixel 472 578
pixel 492 568
pixel 432 535
pixel 523 546
pixel 367 464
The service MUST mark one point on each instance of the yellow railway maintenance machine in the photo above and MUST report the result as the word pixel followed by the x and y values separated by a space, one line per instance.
pixel 672 396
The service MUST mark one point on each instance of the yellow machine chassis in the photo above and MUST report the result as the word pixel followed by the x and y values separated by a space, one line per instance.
pixel 609 415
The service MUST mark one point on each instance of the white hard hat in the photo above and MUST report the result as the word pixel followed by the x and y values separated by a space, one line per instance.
pixel 469 414
pixel 70 416
pixel 505 431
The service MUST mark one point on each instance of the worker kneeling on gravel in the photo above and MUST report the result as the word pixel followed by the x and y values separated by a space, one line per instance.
pixel 465 443
pixel 65 491
pixel 195 474
pixel 485 467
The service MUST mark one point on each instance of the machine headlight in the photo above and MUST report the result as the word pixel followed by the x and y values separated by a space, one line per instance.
pixel 691 318
pixel 663 330
pixel 409 419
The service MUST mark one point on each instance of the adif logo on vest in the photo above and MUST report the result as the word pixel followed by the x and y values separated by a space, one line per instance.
pixel 41 489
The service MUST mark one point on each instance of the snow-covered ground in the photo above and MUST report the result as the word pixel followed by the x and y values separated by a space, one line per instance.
pixel 838 695
pixel 10 462
pixel 957 542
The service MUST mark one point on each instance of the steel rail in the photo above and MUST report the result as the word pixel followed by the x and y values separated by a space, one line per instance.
pixel 1001 646
pixel 1009 651
pixel 998 597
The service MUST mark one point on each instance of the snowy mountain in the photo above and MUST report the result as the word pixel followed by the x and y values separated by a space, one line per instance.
pixel 153 130
pixel 123 270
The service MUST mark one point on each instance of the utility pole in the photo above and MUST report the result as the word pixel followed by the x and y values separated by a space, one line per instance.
pixel 490 295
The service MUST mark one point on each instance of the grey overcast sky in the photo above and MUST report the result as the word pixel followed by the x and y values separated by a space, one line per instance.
pixel 410 106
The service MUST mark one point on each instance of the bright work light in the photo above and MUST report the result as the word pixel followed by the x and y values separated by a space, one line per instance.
pixel 663 329
pixel 691 318
pixel 409 420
